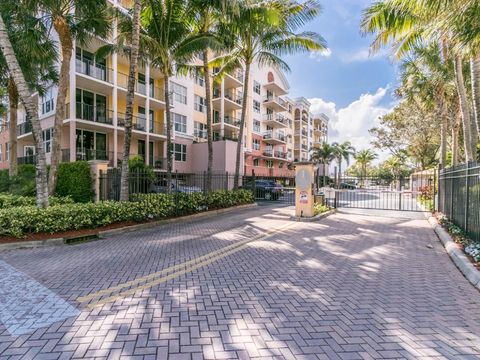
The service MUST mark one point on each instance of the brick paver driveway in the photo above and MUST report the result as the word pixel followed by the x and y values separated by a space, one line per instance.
pixel 247 285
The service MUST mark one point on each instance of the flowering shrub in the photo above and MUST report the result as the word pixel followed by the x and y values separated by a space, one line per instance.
pixel 9 200
pixel 320 209
pixel 470 247
pixel 22 220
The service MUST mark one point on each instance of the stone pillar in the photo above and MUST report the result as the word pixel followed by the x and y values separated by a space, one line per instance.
pixel 304 189
pixel 96 167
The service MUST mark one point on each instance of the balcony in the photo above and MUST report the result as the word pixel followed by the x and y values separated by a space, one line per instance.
pixel 139 123
pixel 275 87
pixel 234 79
pixel 273 137
pixel 275 103
pixel 275 154
pixel 301 132
pixel 229 121
pixel 275 120
pixel 97 114
pixel 232 101
pixel 94 70
pixel 156 93
pixel 24 128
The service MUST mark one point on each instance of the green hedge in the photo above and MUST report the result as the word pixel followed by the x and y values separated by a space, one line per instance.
pixel 10 200
pixel 22 184
pixel 75 180
pixel 23 220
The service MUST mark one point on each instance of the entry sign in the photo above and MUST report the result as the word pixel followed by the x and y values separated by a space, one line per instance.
pixel 303 197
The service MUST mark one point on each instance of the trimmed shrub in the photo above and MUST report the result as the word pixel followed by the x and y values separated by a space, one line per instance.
pixel 75 180
pixel 9 200
pixel 22 220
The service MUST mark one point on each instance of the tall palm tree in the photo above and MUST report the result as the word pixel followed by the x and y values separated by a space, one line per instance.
pixel 31 106
pixel 132 74
pixel 209 13
pixel 263 31
pixel 342 151
pixel 324 155
pixel 364 158
pixel 403 23
pixel 170 43
pixel 73 20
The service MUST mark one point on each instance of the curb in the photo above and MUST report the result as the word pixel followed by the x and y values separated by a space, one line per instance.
pixel 315 218
pixel 202 215
pixel 456 254
pixel 103 234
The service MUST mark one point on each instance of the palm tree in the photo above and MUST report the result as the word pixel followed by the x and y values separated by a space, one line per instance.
pixel 364 158
pixel 209 13
pixel 132 74
pixel 404 22
pixel 324 155
pixel 170 43
pixel 31 106
pixel 263 31
pixel 73 20
pixel 342 151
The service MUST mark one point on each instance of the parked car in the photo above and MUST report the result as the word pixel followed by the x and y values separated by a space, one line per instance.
pixel 265 189
pixel 160 186
pixel 344 185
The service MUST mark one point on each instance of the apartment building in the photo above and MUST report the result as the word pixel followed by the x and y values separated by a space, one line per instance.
pixel 278 130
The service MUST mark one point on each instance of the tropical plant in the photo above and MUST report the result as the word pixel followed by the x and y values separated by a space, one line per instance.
pixel 132 74
pixel 342 151
pixel 324 155
pixel 363 159
pixel 16 32
pixel 263 31
pixel 449 24
pixel 73 20
pixel 208 15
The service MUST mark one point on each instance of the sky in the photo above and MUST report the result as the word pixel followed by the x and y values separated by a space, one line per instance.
pixel 345 82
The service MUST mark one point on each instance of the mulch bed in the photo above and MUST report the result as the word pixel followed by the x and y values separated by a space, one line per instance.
pixel 66 234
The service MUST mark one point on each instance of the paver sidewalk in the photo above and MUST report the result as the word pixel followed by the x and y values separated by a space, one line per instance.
pixel 253 285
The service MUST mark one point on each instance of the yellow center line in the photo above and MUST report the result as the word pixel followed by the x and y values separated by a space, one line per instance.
pixel 201 260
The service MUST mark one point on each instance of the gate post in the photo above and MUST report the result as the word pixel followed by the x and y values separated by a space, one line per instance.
pixel 304 189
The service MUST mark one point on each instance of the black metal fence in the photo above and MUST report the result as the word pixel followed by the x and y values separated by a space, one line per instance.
pixel 143 181
pixel 459 197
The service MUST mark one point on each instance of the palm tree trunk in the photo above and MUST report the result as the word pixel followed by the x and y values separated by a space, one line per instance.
pixel 455 136
pixel 339 173
pixel 465 109
pixel 13 104
pixel 246 88
pixel 132 74
pixel 324 174
pixel 65 36
pixel 443 131
pixel 31 107
pixel 169 132
pixel 208 97
pixel 475 75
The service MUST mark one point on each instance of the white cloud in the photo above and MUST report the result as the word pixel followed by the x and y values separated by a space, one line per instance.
pixel 319 55
pixel 352 122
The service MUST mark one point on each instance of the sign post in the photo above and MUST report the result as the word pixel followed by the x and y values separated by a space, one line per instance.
pixel 304 189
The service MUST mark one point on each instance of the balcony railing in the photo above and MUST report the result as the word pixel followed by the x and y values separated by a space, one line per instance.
pixel 270 135
pixel 280 155
pixel 24 128
pixel 140 123
pixel 275 117
pixel 232 97
pixel 276 99
pixel 93 113
pixel 97 71
pixel 141 87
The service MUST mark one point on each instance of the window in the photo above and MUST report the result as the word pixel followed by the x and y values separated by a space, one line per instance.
pixel 47 140
pixel 7 151
pixel 180 122
pixel 256 87
pixel 48 104
pixel 200 104
pixel 179 92
pixel 269 163
pixel 1 153
pixel 200 130
pixel 199 80
pixel 256 162
pixel 256 106
pixel 180 152
pixel 256 126
pixel 256 144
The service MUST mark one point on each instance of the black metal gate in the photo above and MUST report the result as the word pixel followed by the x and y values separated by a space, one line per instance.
pixel 414 193
pixel 279 190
